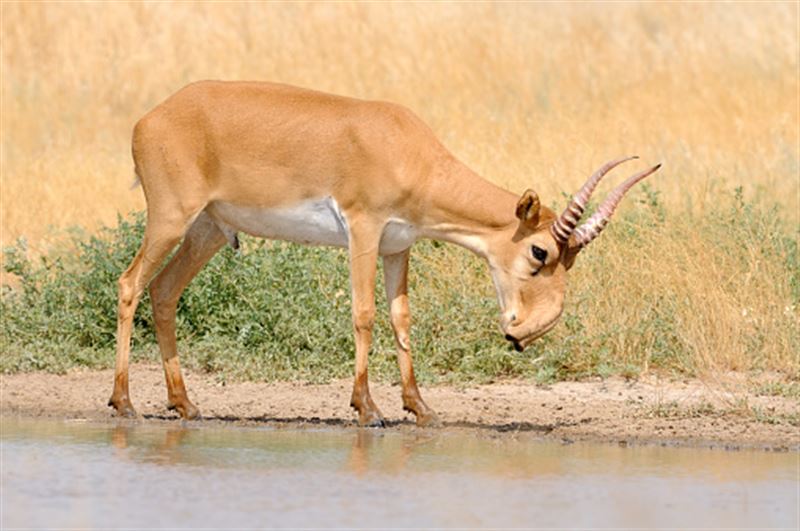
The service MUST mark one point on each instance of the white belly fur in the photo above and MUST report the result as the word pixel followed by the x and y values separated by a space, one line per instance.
pixel 314 222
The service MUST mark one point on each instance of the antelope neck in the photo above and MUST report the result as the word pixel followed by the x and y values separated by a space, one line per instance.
pixel 465 209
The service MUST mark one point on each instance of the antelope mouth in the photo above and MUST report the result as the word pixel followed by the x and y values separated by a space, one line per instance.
pixel 521 344
pixel 515 342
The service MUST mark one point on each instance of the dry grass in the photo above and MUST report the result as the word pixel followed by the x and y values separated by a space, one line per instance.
pixel 527 95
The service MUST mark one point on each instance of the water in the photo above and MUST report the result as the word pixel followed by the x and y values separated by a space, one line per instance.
pixel 67 474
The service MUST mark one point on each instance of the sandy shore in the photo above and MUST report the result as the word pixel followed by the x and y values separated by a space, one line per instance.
pixel 650 410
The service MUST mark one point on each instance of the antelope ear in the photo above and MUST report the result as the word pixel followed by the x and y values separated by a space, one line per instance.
pixel 528 208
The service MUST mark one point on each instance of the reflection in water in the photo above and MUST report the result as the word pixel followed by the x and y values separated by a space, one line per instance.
pixel 370 451
pixel 165 451
pixel 95 475
pixel 391 453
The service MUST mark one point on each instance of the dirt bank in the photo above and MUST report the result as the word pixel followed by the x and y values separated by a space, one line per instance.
pixel 650 410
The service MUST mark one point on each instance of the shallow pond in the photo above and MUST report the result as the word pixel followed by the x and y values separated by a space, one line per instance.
pixel 71 474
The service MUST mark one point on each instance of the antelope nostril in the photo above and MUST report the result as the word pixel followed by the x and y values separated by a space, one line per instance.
pixel 509 337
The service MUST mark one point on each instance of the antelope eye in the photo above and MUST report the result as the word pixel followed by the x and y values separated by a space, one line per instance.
pixel 539 253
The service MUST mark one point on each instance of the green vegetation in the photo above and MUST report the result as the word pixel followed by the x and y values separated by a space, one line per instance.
pixel 790 389
pixel 282 311
pixel 673 409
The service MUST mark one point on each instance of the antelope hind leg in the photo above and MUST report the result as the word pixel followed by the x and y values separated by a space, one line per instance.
pixel 201 243
pixel 158 241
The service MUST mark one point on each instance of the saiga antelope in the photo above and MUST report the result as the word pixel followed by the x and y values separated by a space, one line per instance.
pixel 275 161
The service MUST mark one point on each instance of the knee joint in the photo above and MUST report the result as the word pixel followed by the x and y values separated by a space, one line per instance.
pixel 125 292
pixel 364 318
pixel 401 319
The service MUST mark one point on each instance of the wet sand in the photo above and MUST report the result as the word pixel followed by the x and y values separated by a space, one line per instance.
pixel 650 410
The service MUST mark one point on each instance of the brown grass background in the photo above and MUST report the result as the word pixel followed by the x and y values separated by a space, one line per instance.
pixel 526 94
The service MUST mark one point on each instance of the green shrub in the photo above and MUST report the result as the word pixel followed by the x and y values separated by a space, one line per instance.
pixel 657 291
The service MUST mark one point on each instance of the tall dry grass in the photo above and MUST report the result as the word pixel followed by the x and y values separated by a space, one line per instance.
pixel 526 94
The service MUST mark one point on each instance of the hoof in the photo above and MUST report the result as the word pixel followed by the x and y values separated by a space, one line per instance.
pixel 372 423
pixel 369 416
pixel 426 417
pixel 371 419
pixel 429 419
pixel 185 409
pixel 123 407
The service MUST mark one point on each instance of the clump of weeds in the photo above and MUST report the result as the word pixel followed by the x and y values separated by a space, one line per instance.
pixel 658 291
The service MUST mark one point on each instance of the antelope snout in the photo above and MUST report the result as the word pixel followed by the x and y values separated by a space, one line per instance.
pixel 521 336
pixel 514 341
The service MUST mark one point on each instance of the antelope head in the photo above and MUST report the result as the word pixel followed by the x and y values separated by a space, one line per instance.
pixel 529 268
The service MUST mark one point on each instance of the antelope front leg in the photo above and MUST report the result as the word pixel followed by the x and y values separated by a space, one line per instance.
pixel 364 241
pixel 395 270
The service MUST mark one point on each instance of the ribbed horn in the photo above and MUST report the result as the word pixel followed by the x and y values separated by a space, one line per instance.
pixel 566 222
pixel 598 221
